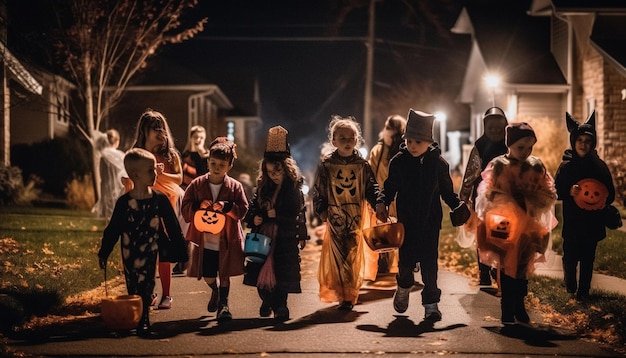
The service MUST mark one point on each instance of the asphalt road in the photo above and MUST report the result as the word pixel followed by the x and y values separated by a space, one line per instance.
pixel 470 327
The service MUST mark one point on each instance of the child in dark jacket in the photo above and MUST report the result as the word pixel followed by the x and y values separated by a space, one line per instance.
pixel 418 178
pixel 144 221
pixel 583 226
pixel 277 210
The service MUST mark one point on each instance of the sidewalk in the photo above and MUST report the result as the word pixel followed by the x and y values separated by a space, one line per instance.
pixel 554 268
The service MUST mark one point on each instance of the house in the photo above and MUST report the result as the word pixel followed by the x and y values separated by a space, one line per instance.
pixel 551 57
pixel 35 102
pixel 186 99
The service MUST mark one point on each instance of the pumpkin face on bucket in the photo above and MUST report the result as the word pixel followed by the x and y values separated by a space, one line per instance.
pixel 209 221
pixel 592 196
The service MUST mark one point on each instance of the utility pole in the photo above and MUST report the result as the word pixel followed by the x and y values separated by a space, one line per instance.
pixel 369 75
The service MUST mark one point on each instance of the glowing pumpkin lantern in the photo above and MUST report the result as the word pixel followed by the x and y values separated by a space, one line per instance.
pixel 121 312
pixel 209 221
pixel 592 196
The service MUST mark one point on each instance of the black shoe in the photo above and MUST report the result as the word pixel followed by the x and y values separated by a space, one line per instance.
pixel 346 306
pixel 177 270
pixel 582 296
pixel 281 314
pixel 224 314
pixel 265 310
pixel 143 330
pixel 212 306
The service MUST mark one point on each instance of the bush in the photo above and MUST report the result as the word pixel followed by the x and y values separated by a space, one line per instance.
pixel 12 188
pixel 57 162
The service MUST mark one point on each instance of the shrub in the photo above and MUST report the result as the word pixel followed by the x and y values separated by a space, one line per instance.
pixel 57 162
pixel 80 193
pixel 12 188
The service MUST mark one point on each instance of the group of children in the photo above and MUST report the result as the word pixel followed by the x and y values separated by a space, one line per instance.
pixel 511 192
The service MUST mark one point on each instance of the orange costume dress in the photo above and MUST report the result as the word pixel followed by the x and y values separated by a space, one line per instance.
pixel 343 187
pixel 515 203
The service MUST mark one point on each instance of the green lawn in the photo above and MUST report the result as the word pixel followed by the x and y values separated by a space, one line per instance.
pixel 47 255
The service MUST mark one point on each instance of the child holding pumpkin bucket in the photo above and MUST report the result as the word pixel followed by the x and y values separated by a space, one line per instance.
pixel 142 217
pixel 419 178
pixel 583 220
pixel 344 184
pixel 217 254
pixel 278 211
pixel 515 203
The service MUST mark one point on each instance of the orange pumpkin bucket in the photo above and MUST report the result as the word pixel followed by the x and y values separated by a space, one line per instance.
pixel 384 237
pixel 592 195
pixel 206 220
pixel 121 312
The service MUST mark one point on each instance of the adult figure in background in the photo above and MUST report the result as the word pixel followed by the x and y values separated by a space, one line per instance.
pixel 488 146
pixel 154 135
pixel 111 173
pixel 389 140
pixel 195 155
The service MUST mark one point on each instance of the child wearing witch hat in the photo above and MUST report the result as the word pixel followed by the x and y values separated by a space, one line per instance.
pixel 419 177
pixel 277 210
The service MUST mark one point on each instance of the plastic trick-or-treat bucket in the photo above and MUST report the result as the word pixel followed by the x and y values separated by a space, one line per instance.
pixel 121 312
pixel 257 247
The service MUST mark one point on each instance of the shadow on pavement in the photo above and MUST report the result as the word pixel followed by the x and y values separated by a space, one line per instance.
pixel 533 336
pixel 402 326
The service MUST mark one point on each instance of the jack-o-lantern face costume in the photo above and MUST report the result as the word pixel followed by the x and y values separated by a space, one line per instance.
pixel 343 183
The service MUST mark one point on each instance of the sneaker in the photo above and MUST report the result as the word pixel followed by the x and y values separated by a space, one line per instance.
pixel 432 312
pixel 166 303
pixel 265 310
pixel 178 269
pixel 212 306
pixel 154 297
pixel 143 329
pixel 401 299
pixel 224 314
pixel 281 314
pixel 346 306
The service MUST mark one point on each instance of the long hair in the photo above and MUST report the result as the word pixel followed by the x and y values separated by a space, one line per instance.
pixel 397 124
pixel 151 119
pixel 265 186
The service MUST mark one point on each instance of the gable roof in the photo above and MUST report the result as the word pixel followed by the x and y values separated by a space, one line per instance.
pixel 513 43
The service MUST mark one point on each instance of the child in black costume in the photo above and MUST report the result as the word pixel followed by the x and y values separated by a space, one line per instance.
pixel 277 210
pixel 141 219
pixel 418 179
pixel 582 228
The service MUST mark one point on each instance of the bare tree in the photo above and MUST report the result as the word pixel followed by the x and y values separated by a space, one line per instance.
pixel 105 43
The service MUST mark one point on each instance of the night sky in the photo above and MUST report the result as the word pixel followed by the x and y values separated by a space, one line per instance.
pixel 307 69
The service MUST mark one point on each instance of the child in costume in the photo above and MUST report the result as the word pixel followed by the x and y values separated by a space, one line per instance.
pixel 344 184
pixel 153 134
pixel 418 179
pixel 515 203
pixel 278 211
pixel 219 254
pixel 488 146
pixel 583 227
pixel 141 218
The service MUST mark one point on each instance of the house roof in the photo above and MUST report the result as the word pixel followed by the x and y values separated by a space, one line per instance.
pixel 19 72
pixel 514 44
pixel 608 37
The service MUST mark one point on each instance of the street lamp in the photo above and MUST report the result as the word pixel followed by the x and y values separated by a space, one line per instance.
pixel 441 119
pixel 492 82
